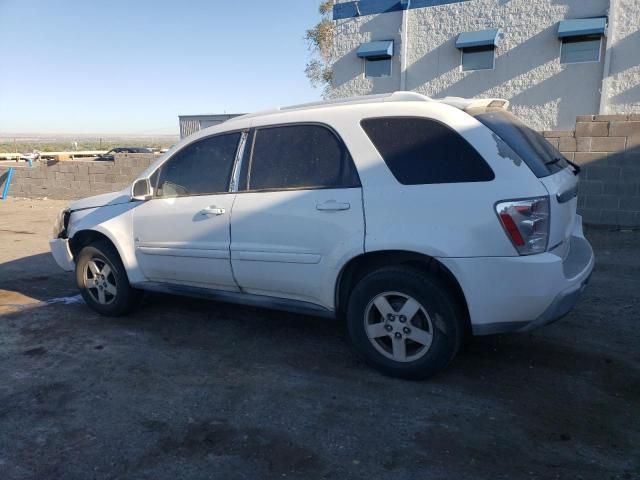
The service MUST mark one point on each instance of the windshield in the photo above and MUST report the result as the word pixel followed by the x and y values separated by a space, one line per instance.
pixel 542 158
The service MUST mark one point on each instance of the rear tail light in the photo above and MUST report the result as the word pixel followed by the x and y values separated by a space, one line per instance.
pixel 526 223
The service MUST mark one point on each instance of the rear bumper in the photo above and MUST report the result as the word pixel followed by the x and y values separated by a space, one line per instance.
pixel 62 254
pixel 560 307
pixel 519 294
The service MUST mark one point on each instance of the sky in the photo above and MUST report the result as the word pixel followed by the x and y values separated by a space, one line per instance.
pixel 133 66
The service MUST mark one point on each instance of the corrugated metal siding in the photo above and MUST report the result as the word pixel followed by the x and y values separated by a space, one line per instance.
pixel 188 127
pixel 190 124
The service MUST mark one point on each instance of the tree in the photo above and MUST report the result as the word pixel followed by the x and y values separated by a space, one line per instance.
pixel 320 39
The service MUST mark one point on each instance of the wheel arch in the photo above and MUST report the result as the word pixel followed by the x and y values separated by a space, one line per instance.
pixel 126 297
pixel 359 266
pixel 83 238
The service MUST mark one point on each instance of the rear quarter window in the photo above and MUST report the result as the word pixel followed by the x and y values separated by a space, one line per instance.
pixel 420 151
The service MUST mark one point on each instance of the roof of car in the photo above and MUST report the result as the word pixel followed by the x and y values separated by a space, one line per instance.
pixel 400 96
pixel 241 122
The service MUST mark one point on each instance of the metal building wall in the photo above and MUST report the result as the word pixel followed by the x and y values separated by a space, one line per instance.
pixel 190 124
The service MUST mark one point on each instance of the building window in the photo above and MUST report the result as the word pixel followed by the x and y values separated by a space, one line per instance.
pixel 581 49
pixel 478 58
pixel 478 49
pixel 581 39
pixel 377 58
pixel 377 68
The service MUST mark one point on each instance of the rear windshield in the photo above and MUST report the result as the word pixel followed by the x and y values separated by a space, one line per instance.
pixel 542 158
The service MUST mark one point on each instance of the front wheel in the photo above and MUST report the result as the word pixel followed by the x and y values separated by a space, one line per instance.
pixel 404 322
pixel 103 281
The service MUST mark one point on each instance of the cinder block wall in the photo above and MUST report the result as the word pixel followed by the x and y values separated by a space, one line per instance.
pixel 76 179
pixel 607 147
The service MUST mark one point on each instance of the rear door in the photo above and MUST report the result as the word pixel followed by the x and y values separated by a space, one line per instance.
pixel 298 215
pixel 545 161
pixel 182 233
pixel 563 190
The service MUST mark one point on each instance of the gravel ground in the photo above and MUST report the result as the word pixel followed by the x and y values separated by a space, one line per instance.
pixel 194 389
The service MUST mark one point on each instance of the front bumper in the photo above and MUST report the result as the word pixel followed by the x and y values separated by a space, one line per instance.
pixel 62 254
pixel 519 294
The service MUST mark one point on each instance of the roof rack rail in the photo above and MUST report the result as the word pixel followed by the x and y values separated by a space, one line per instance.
pixel 383 97
pixel 399 96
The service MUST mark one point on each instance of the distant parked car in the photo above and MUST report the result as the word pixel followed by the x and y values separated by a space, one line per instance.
pixel 29 157
pixel 110 154
pixel 415 220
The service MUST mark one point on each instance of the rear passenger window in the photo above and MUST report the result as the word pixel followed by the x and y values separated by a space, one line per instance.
pixel 204 167
pixel 300 156
pixel 421 151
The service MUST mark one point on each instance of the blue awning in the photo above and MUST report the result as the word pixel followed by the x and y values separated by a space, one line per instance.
pixel 582 26
pixel 482 38
pixel 376 50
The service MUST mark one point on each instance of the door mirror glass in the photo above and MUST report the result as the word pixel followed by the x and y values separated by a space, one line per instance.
pixel 141 190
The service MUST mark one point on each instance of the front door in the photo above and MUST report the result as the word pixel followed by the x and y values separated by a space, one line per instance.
pixel 300 217
pixel 182 234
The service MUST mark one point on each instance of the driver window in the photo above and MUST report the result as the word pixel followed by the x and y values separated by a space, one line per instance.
pixel 201 168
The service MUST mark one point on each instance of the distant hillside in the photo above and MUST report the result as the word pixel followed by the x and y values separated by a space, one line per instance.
pixel 27 143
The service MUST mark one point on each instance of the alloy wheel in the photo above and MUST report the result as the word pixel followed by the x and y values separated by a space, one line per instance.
pixel 100 281
pixel 398 326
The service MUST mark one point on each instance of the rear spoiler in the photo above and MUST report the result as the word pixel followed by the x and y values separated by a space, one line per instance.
pixel 467 103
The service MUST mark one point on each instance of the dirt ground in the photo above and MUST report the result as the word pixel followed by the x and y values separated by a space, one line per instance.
pixel 195 389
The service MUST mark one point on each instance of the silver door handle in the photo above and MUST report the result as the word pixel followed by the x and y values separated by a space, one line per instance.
pixel 212 210
pixel 332 205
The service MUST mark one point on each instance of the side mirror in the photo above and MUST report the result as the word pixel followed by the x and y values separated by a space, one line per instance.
pixel 141 190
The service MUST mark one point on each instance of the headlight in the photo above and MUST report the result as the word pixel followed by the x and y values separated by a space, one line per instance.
pixel 61 223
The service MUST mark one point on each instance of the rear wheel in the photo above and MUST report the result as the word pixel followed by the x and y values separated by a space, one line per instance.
pixel 103 282
pixel 404 322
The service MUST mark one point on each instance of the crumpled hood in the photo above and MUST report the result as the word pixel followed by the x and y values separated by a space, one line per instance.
pixel 113 198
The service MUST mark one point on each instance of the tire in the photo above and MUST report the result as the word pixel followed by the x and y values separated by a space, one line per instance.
pixel 109 294
pixel 431 336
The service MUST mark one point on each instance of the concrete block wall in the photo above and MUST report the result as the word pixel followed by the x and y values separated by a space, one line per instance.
pixel 607 147
pixel 76 179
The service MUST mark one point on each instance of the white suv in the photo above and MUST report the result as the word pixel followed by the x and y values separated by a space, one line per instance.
pixel 416 220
